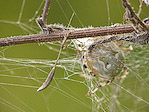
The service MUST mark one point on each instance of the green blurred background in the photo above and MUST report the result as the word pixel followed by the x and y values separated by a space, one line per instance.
pixel 23 68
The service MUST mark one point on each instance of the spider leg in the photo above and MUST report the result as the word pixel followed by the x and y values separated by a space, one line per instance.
pixel 101 85
pixel 128 49
pixel 86 68
pixel 91 73
pixel 125 74
pixel 109 81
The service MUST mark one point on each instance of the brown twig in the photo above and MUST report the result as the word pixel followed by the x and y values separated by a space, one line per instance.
pixel 58 36
pixel 52 72
pixel 45 11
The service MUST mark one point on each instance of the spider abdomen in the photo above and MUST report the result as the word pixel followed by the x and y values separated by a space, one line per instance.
pixel 105 60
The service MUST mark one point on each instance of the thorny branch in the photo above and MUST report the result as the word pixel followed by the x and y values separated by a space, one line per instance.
pixel 58 36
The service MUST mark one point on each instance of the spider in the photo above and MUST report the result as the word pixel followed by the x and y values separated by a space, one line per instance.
pixel 107 60
pixel 104 60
